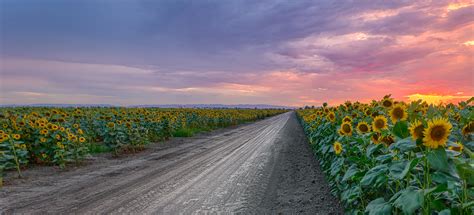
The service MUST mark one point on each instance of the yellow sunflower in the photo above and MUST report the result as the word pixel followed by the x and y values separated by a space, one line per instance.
pixel 346 128
pixel 331 116
pixel 387 102
pixel 110 124
pixel 398 112
pixel 16 136
pixel 82 139
pixel 416 130
pixel 363 127
pixel 388 140
pixel 375 138
pixel 347 119
pixel 379 123
pixel 437 132
pixel 458 147
pixel 468 128
pixel 337 148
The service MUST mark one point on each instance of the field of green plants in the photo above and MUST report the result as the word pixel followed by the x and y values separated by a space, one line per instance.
pixel 392 157
pixel 58 136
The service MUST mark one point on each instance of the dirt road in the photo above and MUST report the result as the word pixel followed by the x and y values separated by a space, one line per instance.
pixel 263 167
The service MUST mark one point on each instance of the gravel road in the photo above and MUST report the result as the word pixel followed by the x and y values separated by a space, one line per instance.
pixel 259 168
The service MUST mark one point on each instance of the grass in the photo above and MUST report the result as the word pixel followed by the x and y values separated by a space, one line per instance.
pixel 96 148
pixel 189 132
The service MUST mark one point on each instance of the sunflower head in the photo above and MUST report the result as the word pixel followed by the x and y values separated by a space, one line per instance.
pixel 387 102
pixel 363 127
pixel 368 112
pixel 387 140
pixel 375 137
pixel 82 139
pixel 16 136
pixel 110 124
pixel 337 146
pixel 346 129
pixel 437 132
pixel 379 123
pixel 347 119
pixel 398 112
pixel 457 147
pixel 331 116
pixel 416 130
pixel 468 128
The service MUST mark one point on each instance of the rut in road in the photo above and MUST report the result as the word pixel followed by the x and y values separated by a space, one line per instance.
pixel 263 167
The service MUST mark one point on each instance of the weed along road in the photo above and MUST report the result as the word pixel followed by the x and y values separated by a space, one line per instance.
pixel 263 167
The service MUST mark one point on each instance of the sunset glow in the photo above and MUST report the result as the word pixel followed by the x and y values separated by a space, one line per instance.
pixel 284 53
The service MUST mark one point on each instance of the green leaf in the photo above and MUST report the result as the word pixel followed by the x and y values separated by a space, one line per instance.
pixel 437 189
pixel 352 194
pixel 445 212
pixel 378 207
pixel 408 200
pixel 438 160
pixel 371 149
pixel 400 129
pixel 465 170
pixel 336 166
pixel 350 172
pixel 375 176
pixel 403 145
pixel 399 169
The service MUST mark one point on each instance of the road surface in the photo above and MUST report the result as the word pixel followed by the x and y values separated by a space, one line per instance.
pixel 263 167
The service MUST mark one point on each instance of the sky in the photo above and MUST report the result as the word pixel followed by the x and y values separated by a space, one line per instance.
pixel 294 53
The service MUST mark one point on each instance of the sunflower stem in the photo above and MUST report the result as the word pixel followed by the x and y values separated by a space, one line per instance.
pixel 16 158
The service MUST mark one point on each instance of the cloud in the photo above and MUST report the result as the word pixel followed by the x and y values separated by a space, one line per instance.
pixel 281 52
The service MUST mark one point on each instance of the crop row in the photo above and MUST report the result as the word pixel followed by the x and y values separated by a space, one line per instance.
pixel 392 157
pixel 39 135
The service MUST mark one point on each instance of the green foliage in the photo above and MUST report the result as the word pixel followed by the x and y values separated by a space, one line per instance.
pixel 390 171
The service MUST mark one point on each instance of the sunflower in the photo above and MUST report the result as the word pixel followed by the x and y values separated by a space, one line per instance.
pixel 337 147
pixel 416 130
pixel 468 128
pixel 60 145
pixel 75 126
pixel 388 140
pixel 110 124
pixel 458 147
pixel 43 140
pixel 363 127
pixel 58 137
pixel 346 128
pixel 347 119
pixel 379 123
pixel 82 139
pixel 375 138
pixel 437 133
pixel 368 112
pixel 331 116
pixel 44 132
pixel 387 102
pixel 16 136
pixel 54 127
pixel 398 112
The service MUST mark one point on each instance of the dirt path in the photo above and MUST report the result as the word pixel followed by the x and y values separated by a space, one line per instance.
pixel 264 167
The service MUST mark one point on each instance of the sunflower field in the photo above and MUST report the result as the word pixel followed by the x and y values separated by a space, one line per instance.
pixel 392 157
pixel 58 136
